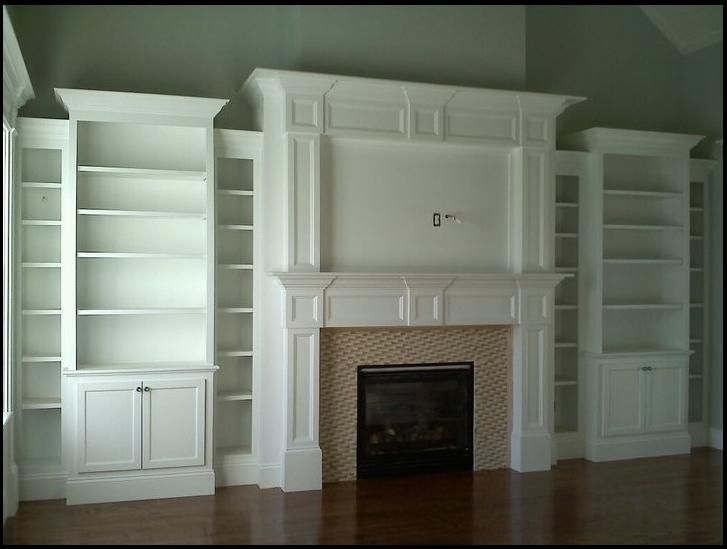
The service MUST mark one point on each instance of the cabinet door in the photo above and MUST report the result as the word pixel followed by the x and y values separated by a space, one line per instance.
pixel 622 410
pixel 109 426
pixel 174 423
pixel 666 394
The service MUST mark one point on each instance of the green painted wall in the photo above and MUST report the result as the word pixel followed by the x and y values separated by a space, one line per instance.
pixel 614 56
pixel 211 50
pixel 702 110
pixel 469 45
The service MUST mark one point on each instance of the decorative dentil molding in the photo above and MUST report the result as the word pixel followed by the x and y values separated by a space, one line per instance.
pixel 374 108
pixel 17 88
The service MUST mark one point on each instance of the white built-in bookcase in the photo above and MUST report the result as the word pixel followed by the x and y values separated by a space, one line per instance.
pixel 42 157
pixel 699 313
pixel 570 173
pixel 238 161
pixel 140 280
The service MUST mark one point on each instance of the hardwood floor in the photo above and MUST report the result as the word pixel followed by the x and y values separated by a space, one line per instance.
pixel 659 500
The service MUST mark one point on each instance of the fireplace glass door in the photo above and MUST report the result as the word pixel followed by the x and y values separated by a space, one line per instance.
pixel 414 419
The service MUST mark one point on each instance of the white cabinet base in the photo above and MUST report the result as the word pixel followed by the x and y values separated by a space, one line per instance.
pixel 639 447
pixel 41 487
pixel 128 488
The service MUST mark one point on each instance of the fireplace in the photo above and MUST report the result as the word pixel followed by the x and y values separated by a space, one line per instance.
pixel 414 418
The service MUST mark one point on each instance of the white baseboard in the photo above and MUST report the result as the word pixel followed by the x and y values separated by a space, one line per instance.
pixel 270 476
pixel 107 489
pixel 638 447
pixel 10 493
pixel 569 446
pixel 40 487
pixel 698 433
pixel 237 474
pixel 715 438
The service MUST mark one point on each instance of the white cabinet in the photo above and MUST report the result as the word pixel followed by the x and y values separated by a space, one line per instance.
pixel 173 423
pixel 131 425
pixel 642 398
pixel 109 426
pixel 622 399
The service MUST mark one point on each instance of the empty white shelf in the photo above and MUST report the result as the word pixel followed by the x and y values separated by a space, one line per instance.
pixel 566 235
pixel 243 266
pixel 696 340
pixel 235 395
pixel 566 307
pixel 235 192
pixel 634 306
pixel 566 269
pixel 144 173
pixel 40 265
pixel 641 261
pixel 231 353
pixel 158 311
pixel 41 359
pixel 695 209
pixel 36 185
pixel 566 204
pixel 641 194
pixel 565 383
pixel 627 227
pixel 41 312
pixel 236 227
pixel 565 344
pixel 234 310
pixel 695 376
pixel 696 269
pixel 641 350
pixel 696 304
pixel 50 403
pixel 145 366
pixel 42 222
pixel 141 213
pixel 696 237
pixel 135 255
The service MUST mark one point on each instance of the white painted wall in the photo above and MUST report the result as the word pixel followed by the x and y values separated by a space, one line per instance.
pixel 377 201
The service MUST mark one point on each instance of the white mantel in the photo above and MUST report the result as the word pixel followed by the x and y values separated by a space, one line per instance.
pixel 327 135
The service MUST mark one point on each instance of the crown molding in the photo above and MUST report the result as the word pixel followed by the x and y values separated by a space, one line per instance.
pixel 138 103
pixel 17 88
pixel 611 140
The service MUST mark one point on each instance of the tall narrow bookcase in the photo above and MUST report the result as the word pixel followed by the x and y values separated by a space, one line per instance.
pixel 42 161
pixel 699 299
pixel 238 162
pixel 634 301
pixel 570 174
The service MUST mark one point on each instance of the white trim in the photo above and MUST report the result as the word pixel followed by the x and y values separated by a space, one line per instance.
pixel 164 485
pixel 237 474
pixel 569 446
pixel 42 487
pixel 80 101
pixel 715 438
pixel 640 446
pixel 618 141
pixel 17 88
pixel 270 476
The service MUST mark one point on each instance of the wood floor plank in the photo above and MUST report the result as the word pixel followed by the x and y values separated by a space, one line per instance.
pixel 676 499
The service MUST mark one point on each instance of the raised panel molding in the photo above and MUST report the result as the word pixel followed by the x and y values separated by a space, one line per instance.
pixel 315 300
pixel 304 174
pixel 302 391
pixel 374 108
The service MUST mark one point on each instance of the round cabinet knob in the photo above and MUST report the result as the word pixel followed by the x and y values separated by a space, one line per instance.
pixel 138 389
pixel 147 389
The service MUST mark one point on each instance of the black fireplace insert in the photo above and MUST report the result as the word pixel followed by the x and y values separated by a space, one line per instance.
pixel 414 418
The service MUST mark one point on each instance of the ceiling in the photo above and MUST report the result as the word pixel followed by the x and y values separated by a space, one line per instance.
pixel 688 28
